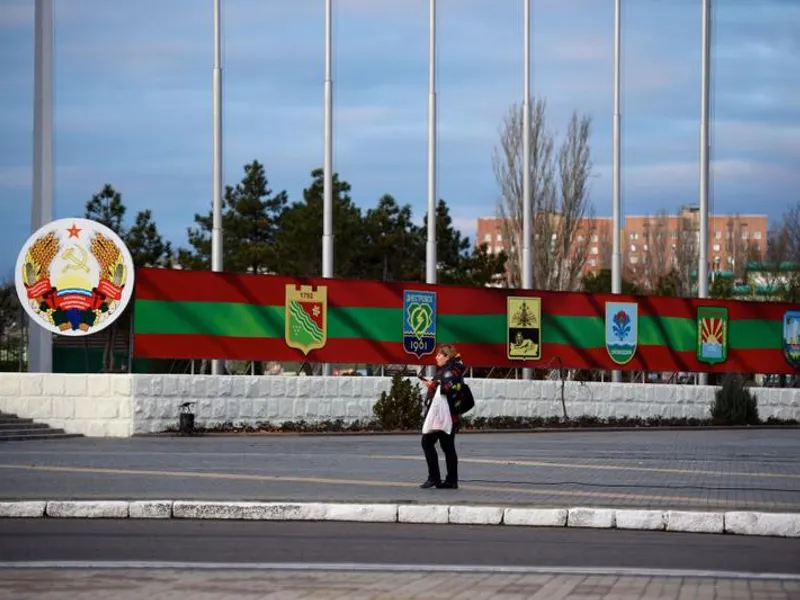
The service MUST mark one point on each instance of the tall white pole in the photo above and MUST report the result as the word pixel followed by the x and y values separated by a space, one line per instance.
pixel 327 160
pixel 327 206
pixel 40 340
pixel 616 210
pixel 216 224
pixel 527 216
pixel 430 246
pixel 702 266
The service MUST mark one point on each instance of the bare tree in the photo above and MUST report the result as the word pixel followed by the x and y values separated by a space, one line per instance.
pixel 656 264
pixel 740 251
pixel 685 252
pixel 605 247
pixel 507 162
pixel 791 226
pixel 558 209
pixel 780 271
pixel 575 168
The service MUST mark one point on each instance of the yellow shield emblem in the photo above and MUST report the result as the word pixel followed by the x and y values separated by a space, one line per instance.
pixel 306 316
pixel 524 333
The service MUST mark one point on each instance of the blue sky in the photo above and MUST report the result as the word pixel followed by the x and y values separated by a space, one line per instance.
pixel 133 100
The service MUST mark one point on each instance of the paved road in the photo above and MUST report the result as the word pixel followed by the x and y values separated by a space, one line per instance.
pixel 396 544
pixel 728 469
pixel 337 560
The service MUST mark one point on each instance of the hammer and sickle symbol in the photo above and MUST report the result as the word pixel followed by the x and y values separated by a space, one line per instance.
pixel 78 262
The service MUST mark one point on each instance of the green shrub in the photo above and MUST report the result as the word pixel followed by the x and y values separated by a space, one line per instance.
pixel 402 408
pixel 734 404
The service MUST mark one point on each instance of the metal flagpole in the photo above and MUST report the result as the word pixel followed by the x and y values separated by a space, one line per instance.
pixel 327 211
pixel 430 248
pixel 702 265
pixel 527 257
pixel 40 340
pixel 327 201
pixel 216 226
pixel 616 257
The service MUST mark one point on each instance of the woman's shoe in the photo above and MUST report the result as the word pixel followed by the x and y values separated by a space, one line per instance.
pixel 447 485
pixel 430 483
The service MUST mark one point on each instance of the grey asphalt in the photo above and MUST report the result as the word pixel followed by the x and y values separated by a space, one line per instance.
pixel 233 542
pixel 225 560
pixel 706 469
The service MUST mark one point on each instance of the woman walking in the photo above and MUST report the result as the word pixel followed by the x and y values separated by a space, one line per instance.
pixel 449 378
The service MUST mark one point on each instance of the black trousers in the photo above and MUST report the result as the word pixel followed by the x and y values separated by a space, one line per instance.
pixel 448 444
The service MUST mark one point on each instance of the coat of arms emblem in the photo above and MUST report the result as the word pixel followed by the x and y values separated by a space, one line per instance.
pixel 419 322
pixel 622 330
pixel 712 334
pixel 74 276
pixel 524 328
pixel 791 337
pixel 306 317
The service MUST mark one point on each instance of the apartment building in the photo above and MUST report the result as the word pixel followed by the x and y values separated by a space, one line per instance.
pixel 733 239
pixel 594 234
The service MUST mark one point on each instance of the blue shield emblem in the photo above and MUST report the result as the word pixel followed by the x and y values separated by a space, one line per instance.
pixel 622 330
pixel 419 322
pixel 791 337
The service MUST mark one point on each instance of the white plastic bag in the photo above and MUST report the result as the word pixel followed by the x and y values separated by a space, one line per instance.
pixel 438 417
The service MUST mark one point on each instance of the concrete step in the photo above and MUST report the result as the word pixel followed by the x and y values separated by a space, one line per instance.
pixel 21 424
pixel 39 435
pixel 15 429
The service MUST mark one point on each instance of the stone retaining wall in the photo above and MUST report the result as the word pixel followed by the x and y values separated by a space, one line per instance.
pixel 123 405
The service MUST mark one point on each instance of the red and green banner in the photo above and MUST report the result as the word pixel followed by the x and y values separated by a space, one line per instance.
pixel 200 314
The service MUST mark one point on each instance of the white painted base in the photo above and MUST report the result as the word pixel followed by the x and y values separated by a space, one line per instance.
pixel 123 405
pixel 740 523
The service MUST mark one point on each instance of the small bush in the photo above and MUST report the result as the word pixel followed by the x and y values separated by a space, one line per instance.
pixel 400 409
pixel 734 404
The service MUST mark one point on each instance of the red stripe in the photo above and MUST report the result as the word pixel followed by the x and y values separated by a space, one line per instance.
pixel 205 286
pixel 651 358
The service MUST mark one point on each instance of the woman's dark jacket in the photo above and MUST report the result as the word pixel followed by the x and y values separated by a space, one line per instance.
pixel 450 377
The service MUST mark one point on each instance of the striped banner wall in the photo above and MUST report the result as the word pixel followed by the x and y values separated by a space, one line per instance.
pixel 200 314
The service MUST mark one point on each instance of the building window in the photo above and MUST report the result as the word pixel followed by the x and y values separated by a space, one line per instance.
pixel 487 237
pixel 716 247
pixel 673 236
pixel 595 238
pixel 645 247
pixel 744 234
pixel 634 260
pixel 592 262
pixel 498 237
pixel 594 250
pixel 718 235
pixel 756 235
pixel 633 247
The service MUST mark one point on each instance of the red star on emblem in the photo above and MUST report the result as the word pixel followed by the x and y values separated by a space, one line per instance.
pixel 73 231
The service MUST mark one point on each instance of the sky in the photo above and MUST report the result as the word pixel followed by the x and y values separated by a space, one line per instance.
pixel 133 100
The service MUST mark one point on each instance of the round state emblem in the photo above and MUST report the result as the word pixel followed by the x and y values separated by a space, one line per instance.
pixel 74 276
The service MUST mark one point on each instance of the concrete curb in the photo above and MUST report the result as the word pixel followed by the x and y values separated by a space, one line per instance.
pixel 730 522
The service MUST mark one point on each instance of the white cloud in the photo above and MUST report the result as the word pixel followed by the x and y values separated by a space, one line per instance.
pixel 778 139
pixel 16 13
pixel 15 178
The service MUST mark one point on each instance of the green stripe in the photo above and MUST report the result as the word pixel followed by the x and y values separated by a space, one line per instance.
pixel 386 325
pixel 249 320
pixel 208 318
pixel 752 334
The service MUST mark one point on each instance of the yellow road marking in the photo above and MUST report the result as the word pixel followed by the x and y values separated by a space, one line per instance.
pixel 541 463
pixel 660 499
